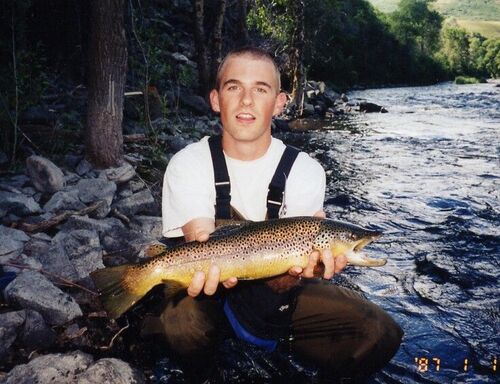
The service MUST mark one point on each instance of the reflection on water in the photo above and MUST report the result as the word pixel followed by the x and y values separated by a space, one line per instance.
pixel 426 173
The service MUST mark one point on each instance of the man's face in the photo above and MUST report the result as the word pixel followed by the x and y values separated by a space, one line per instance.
pixel 248 98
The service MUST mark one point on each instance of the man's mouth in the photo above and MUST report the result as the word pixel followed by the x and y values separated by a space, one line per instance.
pixel 245 117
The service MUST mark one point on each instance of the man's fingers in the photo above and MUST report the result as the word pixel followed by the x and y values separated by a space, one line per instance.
pixel 320 214
pixel 340 263
pixel 295 271
pixel 202 236
pixel 330 264
pixel 230 283
pixel 197 284
pixel 212 280
pixel 313 260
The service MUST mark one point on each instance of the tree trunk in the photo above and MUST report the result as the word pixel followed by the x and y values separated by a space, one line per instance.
pixel 217 40
pixel 242 22
pixel 200 47
pixel 106 83
pixel 297 50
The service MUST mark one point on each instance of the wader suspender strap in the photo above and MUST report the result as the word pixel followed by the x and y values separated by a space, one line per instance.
pixel 221 179
pixel 223 185
pixel 277 186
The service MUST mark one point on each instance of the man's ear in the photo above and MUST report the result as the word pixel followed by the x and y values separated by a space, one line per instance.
pixel 214 100
pixel 279 103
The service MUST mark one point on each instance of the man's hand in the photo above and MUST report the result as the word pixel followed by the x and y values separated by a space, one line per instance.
pixel 200 230
pixel 332 265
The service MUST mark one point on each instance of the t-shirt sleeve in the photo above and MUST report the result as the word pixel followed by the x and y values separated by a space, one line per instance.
pixel 305 187
pixel 187 187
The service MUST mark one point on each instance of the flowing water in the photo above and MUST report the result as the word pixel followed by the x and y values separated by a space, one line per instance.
pixel 426 173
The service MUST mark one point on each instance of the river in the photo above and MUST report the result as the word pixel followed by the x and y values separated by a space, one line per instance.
pixel 426 173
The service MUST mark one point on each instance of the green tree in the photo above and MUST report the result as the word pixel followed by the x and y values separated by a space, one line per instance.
pixel 415 24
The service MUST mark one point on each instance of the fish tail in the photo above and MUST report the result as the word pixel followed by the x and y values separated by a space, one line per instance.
pixel 116 297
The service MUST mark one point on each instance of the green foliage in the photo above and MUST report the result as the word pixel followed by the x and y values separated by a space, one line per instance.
pixel 415 24
pixel 272 19
pixel 469 54
pixel 468 80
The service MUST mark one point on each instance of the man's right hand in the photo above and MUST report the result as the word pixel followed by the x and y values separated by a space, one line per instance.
pixel 200 230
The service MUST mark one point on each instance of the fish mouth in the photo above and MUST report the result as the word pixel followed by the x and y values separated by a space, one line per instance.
pixel 365 241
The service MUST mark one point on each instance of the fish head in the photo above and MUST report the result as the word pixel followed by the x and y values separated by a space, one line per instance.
pixel 348 240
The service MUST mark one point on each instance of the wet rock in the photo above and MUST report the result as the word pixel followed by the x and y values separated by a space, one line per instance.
pixel 44 174
pixel 110 370
pixel 371 107
pixel 10 323
pixel 12 242
pixel 31 290
pixel 92 190
pixel 121 174
pixel 36 333
pixel 74 254
pixel 140 202
pixel 17 203
pixel 49 369
pixel 149 225
pixel 64 200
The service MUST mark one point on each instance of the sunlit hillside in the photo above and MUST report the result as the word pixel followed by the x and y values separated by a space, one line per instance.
pixel 482 16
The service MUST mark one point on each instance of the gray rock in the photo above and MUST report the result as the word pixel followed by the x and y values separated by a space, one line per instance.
pixel 308 110
pixel 92 190
pixel 83 167
pixel 36 333
pixel 196 103
pixel 18 180
pixel 11 242
pixel 71 178
pixel 176 143
pixel 110 370
pixel 73 255
pixel 50 369
pixel 10 324
pixel 125 242
pixel 164 125
pixel 135 185
pixel 121 174
pixel 84 222
pixel 24 261
pixel 64 200
pixel 44 174
pixel 19 204
pixel 140 202
pixel 149 225
pixel 31 290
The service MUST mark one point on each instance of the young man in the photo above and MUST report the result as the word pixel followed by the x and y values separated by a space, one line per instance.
pixel 331 326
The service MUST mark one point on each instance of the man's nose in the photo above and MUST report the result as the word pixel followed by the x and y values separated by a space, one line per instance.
pixel 246 97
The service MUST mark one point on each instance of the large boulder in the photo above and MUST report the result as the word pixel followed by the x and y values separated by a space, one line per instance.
pixel 31 290
pixel 110 370
pixel 45 175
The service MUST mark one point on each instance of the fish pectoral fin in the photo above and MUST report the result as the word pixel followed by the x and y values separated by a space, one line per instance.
pixel 172 287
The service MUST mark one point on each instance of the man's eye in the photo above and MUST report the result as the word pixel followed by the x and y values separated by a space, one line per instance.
pixel 232 88
pixel 261 90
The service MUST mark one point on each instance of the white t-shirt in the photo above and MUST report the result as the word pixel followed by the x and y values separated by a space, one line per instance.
pixel 189 192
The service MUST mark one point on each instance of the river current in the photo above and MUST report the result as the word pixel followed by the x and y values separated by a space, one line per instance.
pixel 426 173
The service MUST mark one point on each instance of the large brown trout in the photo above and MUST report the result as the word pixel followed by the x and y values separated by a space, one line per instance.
pixel 254 250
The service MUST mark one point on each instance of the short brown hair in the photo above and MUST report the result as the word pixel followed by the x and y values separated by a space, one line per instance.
pixel 253 52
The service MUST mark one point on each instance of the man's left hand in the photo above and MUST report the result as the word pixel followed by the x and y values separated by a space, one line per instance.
pixel 332 265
